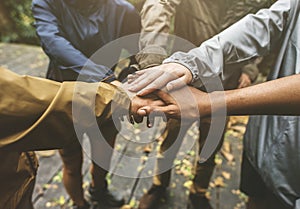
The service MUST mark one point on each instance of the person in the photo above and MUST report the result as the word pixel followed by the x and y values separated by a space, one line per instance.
pixel 71 31
pixel 269 171
pixel 40 114
pixel 36 114
pixel 195 21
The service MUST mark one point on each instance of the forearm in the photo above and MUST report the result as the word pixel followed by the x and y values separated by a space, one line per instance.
pixel 277 97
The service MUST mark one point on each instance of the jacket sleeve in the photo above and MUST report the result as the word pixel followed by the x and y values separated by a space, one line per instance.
pixel 37 114
pixel 251 37
pixel 59 48
pixel 156 17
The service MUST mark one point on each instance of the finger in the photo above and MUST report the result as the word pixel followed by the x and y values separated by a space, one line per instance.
pixel 240 85
pixel 141 75
pixel 165 97
pixel 132 77
pixel 144 80
pixel 158 83
pixel 168 111
pixel 143 111
pixel 156 103
pixel 150 120
pixel 130 119
pixel 137 73
pixel 137 118
pixel 176 84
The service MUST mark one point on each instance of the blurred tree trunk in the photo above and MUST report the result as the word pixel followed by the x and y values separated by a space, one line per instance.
pixel 5 21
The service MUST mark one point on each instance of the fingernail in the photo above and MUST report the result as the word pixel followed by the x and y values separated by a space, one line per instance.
pixel 140 93
pixel 131 88
pixel 149 124
pixel 142 112
pixel 169 87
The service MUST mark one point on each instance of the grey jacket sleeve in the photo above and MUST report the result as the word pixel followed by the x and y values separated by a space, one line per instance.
pixel 156 17
pixel 253 36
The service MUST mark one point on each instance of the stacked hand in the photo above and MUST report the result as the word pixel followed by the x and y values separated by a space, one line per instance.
pixel 170 76
pixel 163 90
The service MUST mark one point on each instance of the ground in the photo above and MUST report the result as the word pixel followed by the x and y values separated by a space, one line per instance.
pixel 49 191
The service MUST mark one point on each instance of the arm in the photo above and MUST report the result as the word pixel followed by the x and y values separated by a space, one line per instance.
pixel 156 17
pixel 277 97
pixel 253 36
pixel 59 48
pixel 40 114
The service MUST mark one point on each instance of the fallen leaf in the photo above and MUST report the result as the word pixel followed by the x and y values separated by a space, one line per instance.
pixel 226 175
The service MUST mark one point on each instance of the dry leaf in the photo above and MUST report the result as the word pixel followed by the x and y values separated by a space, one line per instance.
pixel 219 182
pixel 226 175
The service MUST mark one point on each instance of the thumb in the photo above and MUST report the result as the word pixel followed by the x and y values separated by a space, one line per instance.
pixel 142 111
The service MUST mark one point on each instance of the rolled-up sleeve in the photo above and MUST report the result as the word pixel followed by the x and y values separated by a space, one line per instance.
pixel 156 17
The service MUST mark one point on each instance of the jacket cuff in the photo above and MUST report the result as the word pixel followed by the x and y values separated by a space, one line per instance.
pixel 187 60
pixel 150 56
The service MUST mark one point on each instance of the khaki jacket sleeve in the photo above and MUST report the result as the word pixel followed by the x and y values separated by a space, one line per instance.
pixel 156 17
pixel 37 114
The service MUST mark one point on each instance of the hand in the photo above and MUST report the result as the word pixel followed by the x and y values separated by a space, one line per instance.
pixel 135 103
pixel 182 103
pixel 244 81
pixel 170 75
pixel 138 102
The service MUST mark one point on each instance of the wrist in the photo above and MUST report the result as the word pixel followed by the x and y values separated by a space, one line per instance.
pixel 187 61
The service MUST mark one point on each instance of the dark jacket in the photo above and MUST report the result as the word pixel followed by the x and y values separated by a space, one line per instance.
pixel 71 31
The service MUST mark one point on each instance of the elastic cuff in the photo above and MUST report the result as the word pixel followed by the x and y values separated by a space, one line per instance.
pixel 187 61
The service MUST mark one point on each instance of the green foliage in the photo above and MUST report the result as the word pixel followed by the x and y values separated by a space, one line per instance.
pixel 21 21
pixel 19 27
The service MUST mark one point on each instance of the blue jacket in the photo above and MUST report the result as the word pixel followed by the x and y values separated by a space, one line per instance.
pixel 71 31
